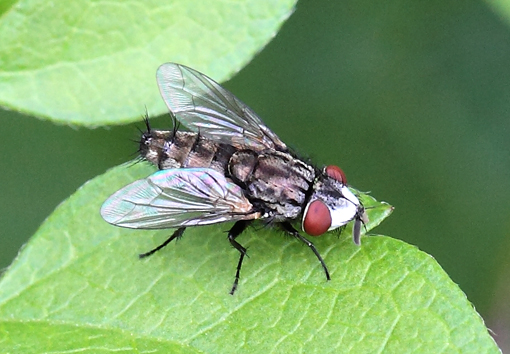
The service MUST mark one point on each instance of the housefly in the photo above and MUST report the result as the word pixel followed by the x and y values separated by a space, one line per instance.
pixel 228 167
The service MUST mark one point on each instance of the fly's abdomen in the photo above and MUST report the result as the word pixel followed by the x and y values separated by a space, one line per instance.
pixel 167 150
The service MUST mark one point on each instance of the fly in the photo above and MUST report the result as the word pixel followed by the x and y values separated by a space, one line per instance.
pixel 229 167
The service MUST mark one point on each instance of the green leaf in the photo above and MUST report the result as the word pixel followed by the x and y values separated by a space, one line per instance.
pixel 501 7
pixel 79 285
pixel 93 63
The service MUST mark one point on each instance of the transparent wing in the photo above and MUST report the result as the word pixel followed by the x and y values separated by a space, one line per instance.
pixel 178 197
pixel 203 106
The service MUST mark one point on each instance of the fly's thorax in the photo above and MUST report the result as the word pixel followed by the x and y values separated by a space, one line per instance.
pixel 279 181
pixel 242 164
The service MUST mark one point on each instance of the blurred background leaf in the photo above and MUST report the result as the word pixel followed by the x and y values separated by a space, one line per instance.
pixel 81 275
pixel 92 63
pixel 501 7
pixel 410 98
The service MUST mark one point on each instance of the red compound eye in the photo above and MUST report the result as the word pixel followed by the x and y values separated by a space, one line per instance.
pixel 317 219
pixel 336 172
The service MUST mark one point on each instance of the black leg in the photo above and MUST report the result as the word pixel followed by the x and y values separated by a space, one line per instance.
pixel 235 231
pixel 178 233
pixel 287 227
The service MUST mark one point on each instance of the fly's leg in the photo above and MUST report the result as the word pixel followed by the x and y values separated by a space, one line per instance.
pixel 235 231
pixel 178 233
pixel 287 227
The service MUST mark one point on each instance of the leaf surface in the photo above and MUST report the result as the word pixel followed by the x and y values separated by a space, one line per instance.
pixel 94 63
pixel 79 285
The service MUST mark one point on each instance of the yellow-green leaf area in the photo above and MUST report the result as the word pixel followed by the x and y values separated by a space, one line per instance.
pixel 78 285
pixel 94 62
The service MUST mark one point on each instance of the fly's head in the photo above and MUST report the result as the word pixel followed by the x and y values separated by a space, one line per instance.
pixel 332 205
